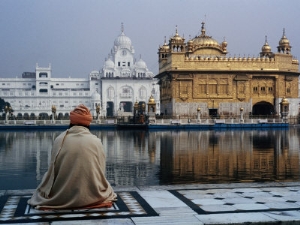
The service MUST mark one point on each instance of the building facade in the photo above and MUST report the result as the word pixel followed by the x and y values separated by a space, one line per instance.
pixel 125 81
pixel 197 74
pixel 34 94
pixel 115 88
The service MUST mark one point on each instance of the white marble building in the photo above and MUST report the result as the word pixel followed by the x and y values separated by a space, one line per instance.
pixel 116 87
pixel 36 92
pixel 125 81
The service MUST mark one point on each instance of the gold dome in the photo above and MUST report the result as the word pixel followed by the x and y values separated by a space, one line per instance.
pixel 151 99
pixel 165 46
pixel 205 40
pixel 284 41
pixel 176 38
pixel 284 101
pixel 266 47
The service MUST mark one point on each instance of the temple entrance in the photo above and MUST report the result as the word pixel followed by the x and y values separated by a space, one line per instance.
pixel 213 113
pixel 126 106
pixel 109 109
pixel 263 108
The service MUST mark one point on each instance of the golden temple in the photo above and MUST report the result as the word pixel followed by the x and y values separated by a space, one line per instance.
pixel 199 74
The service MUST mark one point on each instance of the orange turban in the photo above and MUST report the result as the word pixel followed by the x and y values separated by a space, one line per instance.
pixel 81 116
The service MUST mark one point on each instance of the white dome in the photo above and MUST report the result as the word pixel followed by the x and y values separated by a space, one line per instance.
pixel 96 96
pixel 109 64
pixel 123 41
pixel 141 64
pixel 95 72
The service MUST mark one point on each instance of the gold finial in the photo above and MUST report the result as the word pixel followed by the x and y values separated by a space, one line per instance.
pixel 202 29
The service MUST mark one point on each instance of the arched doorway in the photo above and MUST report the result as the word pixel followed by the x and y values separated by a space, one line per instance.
pixel 263 108
pixel 109 109
pixel 126 106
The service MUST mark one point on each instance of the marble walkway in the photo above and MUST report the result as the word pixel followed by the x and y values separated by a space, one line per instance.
pixel 236 203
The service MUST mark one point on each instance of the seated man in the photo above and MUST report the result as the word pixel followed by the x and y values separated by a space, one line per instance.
pixel 76 175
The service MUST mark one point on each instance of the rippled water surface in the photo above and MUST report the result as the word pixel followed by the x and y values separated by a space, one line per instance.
pixel 162 157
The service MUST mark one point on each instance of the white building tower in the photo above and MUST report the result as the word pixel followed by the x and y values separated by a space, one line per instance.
pixel 125 81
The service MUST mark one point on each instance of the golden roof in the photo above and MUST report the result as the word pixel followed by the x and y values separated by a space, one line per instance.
pixel 205 40
pixel 151 99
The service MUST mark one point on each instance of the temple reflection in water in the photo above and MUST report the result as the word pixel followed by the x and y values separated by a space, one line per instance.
pixel 229 156
pixel 163 157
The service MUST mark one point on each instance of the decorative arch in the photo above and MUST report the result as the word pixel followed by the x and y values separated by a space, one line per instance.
pixel 142 92
pixel 263 108
pixel 110 92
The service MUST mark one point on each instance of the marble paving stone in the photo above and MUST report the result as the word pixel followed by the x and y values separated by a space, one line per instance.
pixel 259 194
pixel 126 221
pixel 284 215
pixel 227 195
pixel 276 190
pixel 281 205
pixel 160 199
pixel 218 208
pixel 234 218
pixel 292 198
pixel 244 190
pixel 250 207
pixel 184 211
pixel 239 200
pixel 168 220
pixel 268 199
pixel 202 202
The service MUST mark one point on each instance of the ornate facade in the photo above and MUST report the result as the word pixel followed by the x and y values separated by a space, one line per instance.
pixel 33 95
pixel 125 81
pixel 115 88
pixel 198 73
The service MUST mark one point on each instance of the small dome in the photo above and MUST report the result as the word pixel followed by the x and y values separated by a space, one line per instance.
pixel 165 46
pixel 151 99
pixel 177 37
pixel 141 64
pixel 94 72
pixel 122 40
pixel 266 47
pixel 284 101
pixel 109 63
pixel 205 40
pixel 190 42
pixel 96 96
pixel 284 42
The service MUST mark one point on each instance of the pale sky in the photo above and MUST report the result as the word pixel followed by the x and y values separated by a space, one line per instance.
pixel 76 36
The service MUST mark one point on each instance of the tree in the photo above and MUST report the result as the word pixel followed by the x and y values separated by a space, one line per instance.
pixel 3 104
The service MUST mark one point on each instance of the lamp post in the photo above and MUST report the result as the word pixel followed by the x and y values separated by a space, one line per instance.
pixel 284 109
pixel 8 111
pixel 98 112
pixel 198 115
pixel 135 110
pixel 53 110
pixel 151 110
pixel 241 115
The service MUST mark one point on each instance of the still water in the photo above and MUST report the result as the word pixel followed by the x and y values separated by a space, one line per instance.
pixel 163 157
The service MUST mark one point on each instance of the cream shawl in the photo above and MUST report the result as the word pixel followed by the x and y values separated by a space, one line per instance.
pixel 76 175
